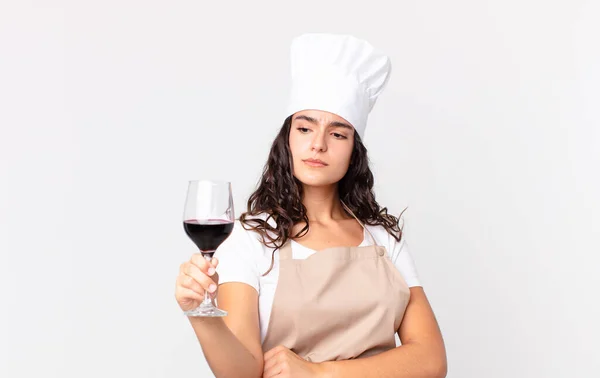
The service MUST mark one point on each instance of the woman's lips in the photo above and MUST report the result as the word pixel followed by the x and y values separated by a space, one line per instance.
pixel 315 163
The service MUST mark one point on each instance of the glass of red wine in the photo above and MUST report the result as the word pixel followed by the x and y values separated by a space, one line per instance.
pixel 208 220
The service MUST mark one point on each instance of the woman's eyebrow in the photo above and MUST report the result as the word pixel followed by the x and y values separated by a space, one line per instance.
pixel 332 123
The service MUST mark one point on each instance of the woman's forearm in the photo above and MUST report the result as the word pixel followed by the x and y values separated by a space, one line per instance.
pixel 406 361
pixel 225 354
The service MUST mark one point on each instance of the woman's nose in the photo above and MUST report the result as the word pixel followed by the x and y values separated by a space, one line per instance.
pixel 318 142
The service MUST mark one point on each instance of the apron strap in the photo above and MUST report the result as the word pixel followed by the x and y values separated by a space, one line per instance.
pixel 361 223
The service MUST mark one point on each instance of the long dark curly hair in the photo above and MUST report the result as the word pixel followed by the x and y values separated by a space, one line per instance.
pixel 279 195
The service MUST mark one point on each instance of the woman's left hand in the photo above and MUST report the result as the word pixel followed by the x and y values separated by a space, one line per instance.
pixel 281 362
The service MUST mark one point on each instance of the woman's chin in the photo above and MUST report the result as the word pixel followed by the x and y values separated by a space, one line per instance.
pixel 316 181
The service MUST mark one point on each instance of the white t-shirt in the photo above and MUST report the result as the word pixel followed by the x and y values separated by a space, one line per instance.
pixel 243 258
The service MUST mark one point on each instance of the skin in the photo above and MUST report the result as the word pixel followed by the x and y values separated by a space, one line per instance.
pixel 330 138
pixel 232 344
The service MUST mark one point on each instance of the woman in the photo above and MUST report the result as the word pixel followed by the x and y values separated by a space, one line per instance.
pixel 316 276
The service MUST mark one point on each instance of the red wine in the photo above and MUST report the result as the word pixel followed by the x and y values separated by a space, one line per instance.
pixel 208 234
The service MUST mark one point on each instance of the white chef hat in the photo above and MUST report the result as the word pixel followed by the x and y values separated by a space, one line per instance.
pixel 339 74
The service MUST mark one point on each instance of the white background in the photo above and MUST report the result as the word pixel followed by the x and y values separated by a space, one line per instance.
pixel 488 132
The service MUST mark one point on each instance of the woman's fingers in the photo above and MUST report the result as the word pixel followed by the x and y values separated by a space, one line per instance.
pixel 199 277
pixel 184 294
pixel 196 277
pixel 204 265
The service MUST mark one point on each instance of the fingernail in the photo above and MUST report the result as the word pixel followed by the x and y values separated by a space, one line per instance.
pixel 212 288
pixel 211 271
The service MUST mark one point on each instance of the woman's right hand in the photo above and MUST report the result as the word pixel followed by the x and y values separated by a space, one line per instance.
pixel 195 277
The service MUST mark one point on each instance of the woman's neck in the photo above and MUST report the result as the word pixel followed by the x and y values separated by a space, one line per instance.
pixel 323 204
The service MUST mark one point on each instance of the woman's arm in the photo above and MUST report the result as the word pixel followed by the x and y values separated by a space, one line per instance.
pixel 421 355
pixel 231 345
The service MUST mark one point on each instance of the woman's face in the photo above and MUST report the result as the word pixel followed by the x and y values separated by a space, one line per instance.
pixel 321 144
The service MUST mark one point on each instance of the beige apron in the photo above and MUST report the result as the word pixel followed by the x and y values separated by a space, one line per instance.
pixel 340 303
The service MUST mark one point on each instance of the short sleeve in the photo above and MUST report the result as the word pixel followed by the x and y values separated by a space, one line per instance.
pixel 402 259
pixel 238 257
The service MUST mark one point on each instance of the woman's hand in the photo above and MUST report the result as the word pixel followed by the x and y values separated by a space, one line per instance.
pixel 281 362
pixel 195 277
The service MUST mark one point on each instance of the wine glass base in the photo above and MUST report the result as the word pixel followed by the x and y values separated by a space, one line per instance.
pixel 211 311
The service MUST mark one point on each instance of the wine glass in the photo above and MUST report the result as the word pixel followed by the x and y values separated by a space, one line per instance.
pixel 208 220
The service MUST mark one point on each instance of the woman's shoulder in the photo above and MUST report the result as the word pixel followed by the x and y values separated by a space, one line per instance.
pixel 384 237
pixel 242 256
pixel 243 234
pixel 398 252
pixel 243 247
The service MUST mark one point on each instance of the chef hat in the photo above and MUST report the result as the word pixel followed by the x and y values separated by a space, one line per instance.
pixel 339 74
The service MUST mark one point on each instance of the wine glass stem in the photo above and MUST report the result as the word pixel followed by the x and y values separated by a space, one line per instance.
pixel 207 298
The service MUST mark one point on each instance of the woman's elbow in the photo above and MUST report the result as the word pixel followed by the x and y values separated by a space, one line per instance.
pixel 438 368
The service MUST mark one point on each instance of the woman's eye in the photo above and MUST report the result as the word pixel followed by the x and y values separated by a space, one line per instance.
pixel 303 130
pixel 339 136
